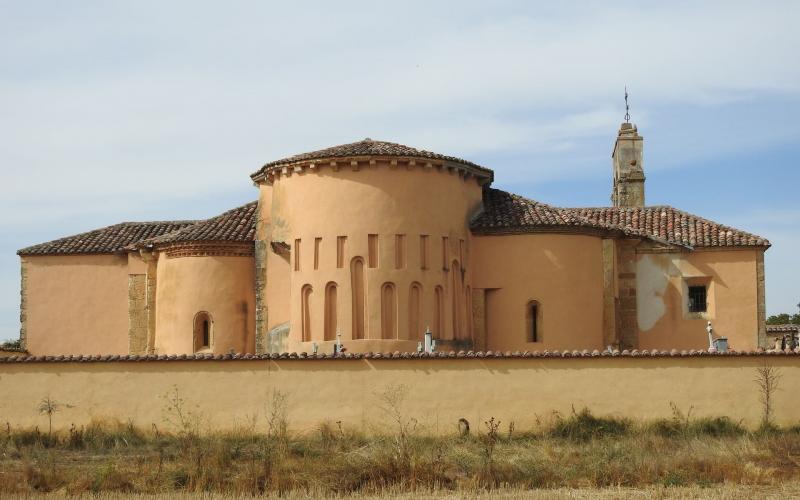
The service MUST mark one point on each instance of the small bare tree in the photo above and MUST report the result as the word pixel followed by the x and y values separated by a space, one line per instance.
pixel 177 415
pixel 278 416
pixel 767 379
pixel 49 406
pixel 489 443
pixel 490 439
pixel 392 400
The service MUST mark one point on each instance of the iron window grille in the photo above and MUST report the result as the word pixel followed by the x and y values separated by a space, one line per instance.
pixel 697 299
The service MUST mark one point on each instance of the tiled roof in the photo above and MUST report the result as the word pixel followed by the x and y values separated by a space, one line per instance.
pixel 783 328
pixel 505 212
pixel 369 147
pixel 236 225
pixel 109 239
pixel 398 355
pixel 672 225
pixel 510 213
pixel 508 210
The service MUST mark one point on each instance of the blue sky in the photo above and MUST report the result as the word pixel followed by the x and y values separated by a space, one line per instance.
pixel 117 111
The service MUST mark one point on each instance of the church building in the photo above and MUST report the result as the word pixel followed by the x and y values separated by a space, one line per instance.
pixel 368 245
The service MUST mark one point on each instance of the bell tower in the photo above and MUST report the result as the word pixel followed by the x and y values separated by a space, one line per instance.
pixel 626 160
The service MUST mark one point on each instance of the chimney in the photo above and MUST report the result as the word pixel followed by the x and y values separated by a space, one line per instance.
pixel 626 160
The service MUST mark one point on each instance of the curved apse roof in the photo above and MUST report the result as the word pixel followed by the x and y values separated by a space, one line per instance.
pixel 367 148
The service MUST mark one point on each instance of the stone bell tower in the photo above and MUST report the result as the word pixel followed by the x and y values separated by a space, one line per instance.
pixel 626 160
pixel 628 190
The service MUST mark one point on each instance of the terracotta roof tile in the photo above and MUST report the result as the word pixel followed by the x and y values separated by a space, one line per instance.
pixel 674 353
pixel 369 147
pixel 505 212
pixel 672 225
pixel 109 239
pixel 783 328
pixel 235 225
pixel 510 213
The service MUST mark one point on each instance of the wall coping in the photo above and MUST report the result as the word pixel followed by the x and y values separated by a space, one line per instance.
pixel 399 355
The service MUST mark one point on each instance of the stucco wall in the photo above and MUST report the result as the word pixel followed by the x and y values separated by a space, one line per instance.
pixel 227 394
pixel 380 200
pixel 76 304
pixel 662 316
pixel 222 286
pixel 564 273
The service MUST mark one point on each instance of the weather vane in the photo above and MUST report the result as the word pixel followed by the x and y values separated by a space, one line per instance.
pixel 627 108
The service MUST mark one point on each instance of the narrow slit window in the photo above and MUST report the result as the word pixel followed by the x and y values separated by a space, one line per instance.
pixel 399 251
pixel 206 333
pixel 445 243
pixel 372 243
pixel 317 245
pixel 698 298
pixel 423 251
pixel 533 319
pixel 297 255
pixel 341 243
pixel 203 331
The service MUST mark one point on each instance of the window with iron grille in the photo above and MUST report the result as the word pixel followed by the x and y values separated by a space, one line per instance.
pixel 697 298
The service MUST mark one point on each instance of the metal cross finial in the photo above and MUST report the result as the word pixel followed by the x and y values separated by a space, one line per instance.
pixel 627 108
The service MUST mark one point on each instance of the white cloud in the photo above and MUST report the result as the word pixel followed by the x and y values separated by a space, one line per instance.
pixel 210 93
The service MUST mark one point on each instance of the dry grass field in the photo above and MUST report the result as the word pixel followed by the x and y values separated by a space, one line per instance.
pixel 574 456
pixel 722 492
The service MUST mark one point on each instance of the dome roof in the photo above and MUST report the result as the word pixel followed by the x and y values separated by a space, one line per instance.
pixel 367 148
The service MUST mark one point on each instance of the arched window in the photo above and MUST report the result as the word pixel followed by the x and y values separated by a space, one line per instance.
pixel 438 312
pixel 457 297
pixel 305 308
pixel 414 312
pixel 533 321
pixel 388 311
pixel 358 290
pixel 203 331
pixel 330 311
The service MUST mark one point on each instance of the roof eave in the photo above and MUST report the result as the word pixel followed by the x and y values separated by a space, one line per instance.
pixel 22 253
pixel 480 172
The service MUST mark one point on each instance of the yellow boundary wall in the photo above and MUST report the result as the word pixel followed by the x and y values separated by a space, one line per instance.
pixel 231 394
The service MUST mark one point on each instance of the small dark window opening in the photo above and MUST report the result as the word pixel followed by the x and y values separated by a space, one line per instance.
pixel 533 321
pixel 697 298
pixel 206 333
pixel 201 331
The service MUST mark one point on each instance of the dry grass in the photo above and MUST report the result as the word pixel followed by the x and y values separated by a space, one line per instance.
pixel 722 492
pixel 590 456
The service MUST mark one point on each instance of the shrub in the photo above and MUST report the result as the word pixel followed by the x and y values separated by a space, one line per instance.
pixel 583 426
pixel 704 426
pixel 716 426
pixel 11 345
